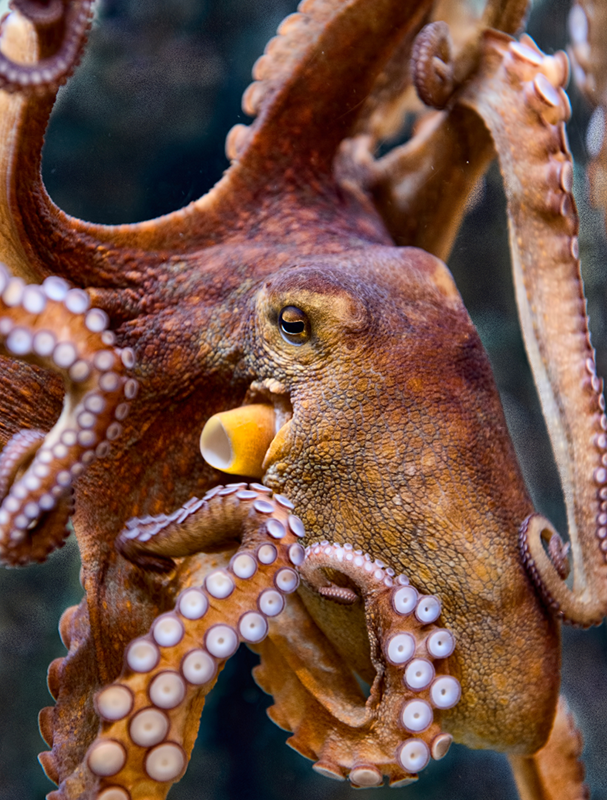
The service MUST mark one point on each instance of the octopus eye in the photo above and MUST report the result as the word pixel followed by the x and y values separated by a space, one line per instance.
pixel 294 325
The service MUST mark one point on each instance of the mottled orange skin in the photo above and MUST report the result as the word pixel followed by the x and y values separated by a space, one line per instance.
pixel 431 485
pixel 397 443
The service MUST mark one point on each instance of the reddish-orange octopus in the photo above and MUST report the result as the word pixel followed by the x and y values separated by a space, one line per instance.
pixel 297 329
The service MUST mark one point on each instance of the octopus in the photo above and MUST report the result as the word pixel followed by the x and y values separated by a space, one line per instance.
pixel 268 418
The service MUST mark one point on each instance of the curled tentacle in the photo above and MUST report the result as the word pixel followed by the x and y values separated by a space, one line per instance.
pixel 295 64
pixel 16 456
pixel 51 72
pixel 39 12
pixel 432 65
pixel 559 554
pixel 198 526
pixel 519 88
pixel 18 452
pixel 167 673
pixel 452 149
pixel 408 183
pixel 145 737
pixel 52 326
pixel 398 729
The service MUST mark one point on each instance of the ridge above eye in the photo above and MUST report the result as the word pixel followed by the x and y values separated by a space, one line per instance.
pixel 294 325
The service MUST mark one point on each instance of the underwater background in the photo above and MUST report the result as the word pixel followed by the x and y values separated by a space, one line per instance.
pixel 139 132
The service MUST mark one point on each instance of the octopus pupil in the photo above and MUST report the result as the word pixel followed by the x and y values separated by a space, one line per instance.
pixel 293 327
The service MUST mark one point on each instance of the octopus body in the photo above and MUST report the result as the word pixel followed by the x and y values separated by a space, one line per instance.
pixel 297 326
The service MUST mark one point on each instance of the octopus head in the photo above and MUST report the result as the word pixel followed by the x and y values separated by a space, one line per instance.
pixel 393 432
pixel 390 437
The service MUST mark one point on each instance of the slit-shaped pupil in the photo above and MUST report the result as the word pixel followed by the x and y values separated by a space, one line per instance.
pixel 294 325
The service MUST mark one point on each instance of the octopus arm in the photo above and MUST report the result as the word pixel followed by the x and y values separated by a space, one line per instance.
pixel 326 56
pixel 518 88
pixel 556 771
pixel 450 150
pixel 150 713
pixel 52 327
pixel 289 95
pixel 317 699
pixel 421 188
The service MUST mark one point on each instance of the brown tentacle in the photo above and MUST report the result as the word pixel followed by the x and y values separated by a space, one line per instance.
pixel 181 533
pixel 302 58
pixel 508 17
pixel 148 542
pixel 407 185
pixel 42 14
pixel 149 714
pixel 18 452
pixel 16 457
pixel 555 772
pixel 49 73
pixel 28 217
pixel 518 88
pixel 301 61
pixel 298 60
pixel 314 691
pixel 390 99
pixel 432 65
pixel 31 219
pixel 52 326
pixel 454 149
pixel 66 677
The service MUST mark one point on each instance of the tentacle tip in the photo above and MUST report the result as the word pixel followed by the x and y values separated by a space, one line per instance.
pixel 432 65
pixel 559 555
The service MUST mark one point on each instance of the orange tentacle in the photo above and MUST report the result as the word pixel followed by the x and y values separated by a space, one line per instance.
pixel 162 688
pixel 53 327
pixel 518 88
pixel 555 772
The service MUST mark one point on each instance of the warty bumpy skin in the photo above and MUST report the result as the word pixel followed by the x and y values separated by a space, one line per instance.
pixel 395 448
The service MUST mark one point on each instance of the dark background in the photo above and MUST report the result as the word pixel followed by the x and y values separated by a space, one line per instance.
pixel 140 131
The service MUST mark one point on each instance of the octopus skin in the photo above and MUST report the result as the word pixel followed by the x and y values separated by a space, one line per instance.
pixel 396 728
pixel 417 375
